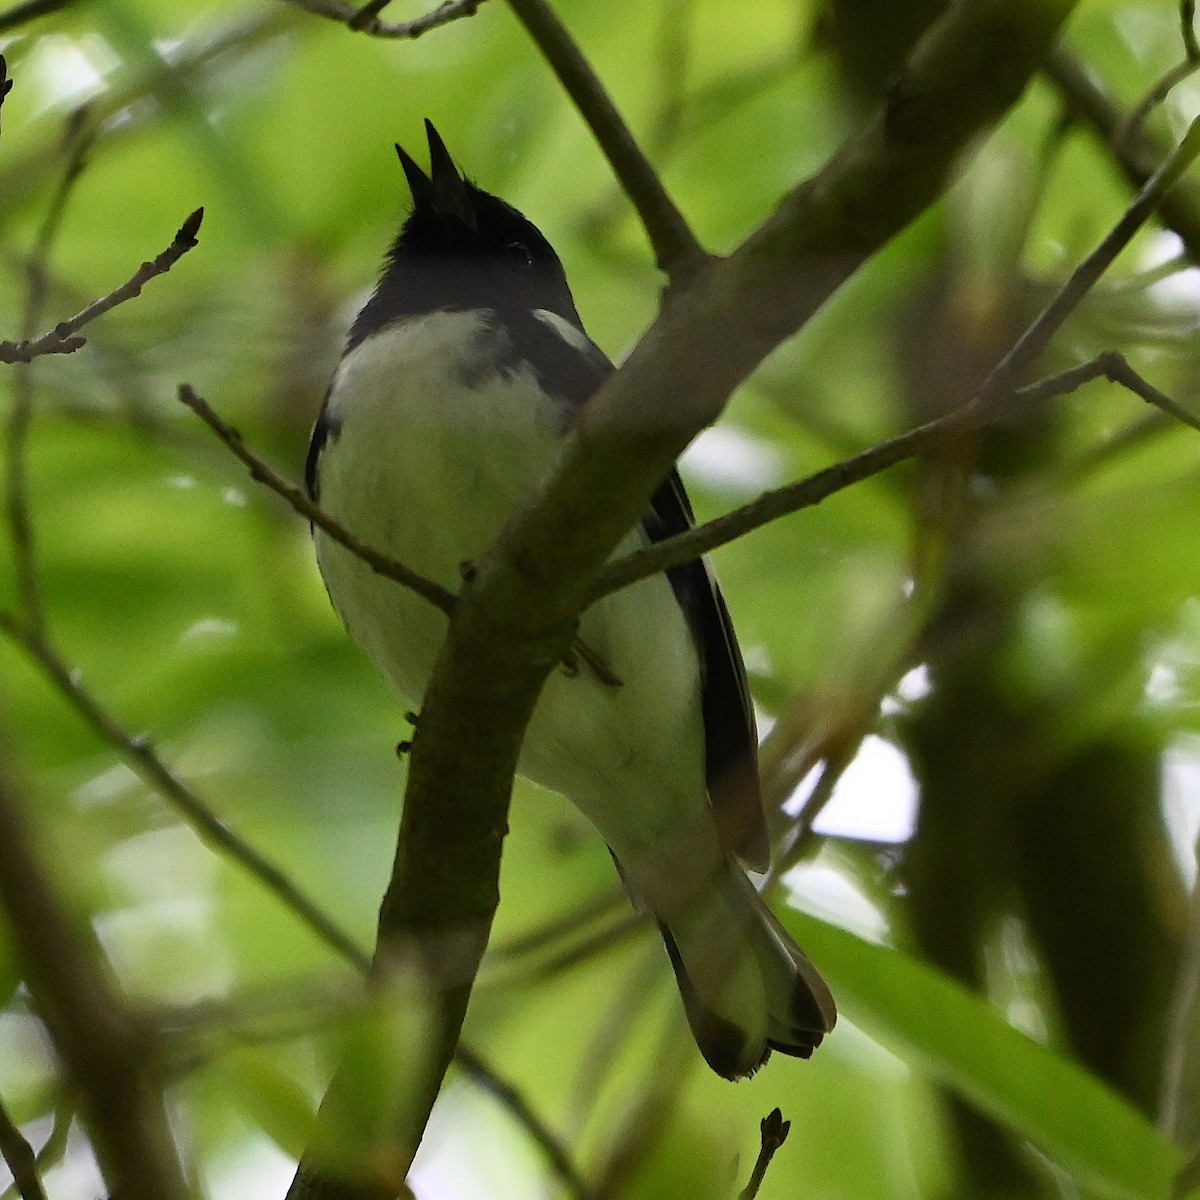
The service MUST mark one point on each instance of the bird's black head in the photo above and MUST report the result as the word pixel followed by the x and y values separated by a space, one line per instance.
pixel 463 248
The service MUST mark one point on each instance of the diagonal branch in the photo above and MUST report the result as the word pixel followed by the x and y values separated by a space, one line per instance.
pixel 53 1148
pixel 295 496
pixel 21 1161
pixel 1029 346
pixel 138 751
pixel 813 489
pixel 1135 152
pixel 994 396
pixel 676 250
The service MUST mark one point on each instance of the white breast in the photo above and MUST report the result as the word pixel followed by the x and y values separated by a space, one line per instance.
pixel 431 453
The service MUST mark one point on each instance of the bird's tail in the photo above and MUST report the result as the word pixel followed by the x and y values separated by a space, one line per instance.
pixel 747 987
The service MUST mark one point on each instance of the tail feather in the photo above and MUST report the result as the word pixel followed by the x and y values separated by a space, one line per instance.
pixel 747 987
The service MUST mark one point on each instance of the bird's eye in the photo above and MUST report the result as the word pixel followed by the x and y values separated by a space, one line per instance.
pixel 520 254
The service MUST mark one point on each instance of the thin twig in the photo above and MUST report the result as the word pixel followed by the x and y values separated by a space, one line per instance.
pixel 1029 346
pixel 773 1130
pixel 565 926
pixel 53 1149
pixel 812 490
pixel 512 1100
pixel 138 751
pixel 64 338
pixel 296 497
pixel 1137 155
pixel 21 1160
pixel 676 249
pixel 800 836
pixel 1132 124
pixel 140 754
pixel 382 564
pixel 364 20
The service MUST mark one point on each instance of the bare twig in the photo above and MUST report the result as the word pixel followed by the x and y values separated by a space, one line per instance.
pixel 773 1130
pixel 53 1149
pixel 477 1069
pixel 676 250
pixel 578 920
pixel 382 564
pixel 365 20
pixel 139 752
pixel 64 338
pixel 296 497
pixel 21 1160
pixel 800 836
pixel 1132 124
pixel 1137 155
pixel 108 1057
pixel 813 489
pixel 1030 345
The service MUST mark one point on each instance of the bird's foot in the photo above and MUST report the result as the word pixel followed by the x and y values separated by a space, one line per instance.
pixel 404 746
pixel 581 651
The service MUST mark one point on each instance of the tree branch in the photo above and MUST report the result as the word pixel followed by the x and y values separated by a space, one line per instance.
pixel 1137 154
pixel 994 398
pixel 296 497
pixel 21 1160
pixel 813 489
pixel 107 1056
pixel 1172 78
pixel 365 20
pixel 482 1073
pixel 676 250
pixel 64 337
pixel 52 1151
pixel 517 615
pixel 22 14
pixel 381 564
pixel 138 752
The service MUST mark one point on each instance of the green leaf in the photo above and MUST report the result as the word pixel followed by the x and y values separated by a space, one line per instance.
pixel 962 1042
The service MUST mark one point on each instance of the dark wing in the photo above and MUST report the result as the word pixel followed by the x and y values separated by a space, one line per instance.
pixel 325 429
pixel 730 737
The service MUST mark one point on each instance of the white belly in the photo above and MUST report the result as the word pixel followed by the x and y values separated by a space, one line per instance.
pixel 431 484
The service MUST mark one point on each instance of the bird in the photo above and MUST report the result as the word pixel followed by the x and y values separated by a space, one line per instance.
pixel 460 377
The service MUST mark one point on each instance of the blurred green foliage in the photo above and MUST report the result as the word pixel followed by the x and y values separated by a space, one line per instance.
pixel 1017 615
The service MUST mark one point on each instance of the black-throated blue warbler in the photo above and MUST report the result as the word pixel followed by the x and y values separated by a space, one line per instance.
pixel 460 375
